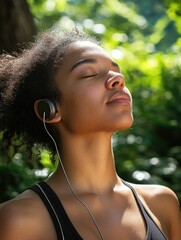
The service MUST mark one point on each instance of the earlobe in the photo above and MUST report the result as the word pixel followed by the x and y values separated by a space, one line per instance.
pixel 55 119
pixel 44 108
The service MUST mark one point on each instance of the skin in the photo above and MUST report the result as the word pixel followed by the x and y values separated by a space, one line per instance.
pixel 95 103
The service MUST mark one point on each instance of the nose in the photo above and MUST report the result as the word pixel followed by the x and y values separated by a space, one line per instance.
pixel 115 80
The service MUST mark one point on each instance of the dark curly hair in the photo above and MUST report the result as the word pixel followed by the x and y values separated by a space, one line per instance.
pixel 28 76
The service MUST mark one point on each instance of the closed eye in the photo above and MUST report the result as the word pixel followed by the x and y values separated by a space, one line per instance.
pixel 91 75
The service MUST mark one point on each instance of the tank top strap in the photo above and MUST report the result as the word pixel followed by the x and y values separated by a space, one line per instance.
pixel 153 231
pixel 63 226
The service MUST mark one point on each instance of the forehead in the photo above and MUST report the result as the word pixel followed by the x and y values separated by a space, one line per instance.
pixel 81 50
pixel 84 46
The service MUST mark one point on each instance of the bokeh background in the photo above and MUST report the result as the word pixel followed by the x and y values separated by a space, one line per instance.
pixel 144 38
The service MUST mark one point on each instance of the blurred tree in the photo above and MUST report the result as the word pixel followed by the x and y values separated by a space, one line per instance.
pixel 17 24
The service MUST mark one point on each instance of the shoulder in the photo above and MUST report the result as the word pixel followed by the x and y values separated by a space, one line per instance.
pixel 157 195
pixel 163 203
pixel 152 191
pixel 23 217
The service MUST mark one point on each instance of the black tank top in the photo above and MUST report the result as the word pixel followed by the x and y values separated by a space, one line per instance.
pixel 64 227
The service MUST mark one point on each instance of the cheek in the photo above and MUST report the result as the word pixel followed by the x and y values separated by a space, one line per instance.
pixel 87 98
pixel 81 108
pixel 87 103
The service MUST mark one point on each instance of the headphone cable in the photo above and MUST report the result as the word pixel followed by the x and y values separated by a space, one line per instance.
pixel 68 182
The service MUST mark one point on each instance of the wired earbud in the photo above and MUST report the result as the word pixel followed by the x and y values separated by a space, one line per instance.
pixel 46 106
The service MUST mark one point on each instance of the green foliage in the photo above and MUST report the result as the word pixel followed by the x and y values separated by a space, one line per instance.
pixel 15 178
pixel 144 39
pixel 21 167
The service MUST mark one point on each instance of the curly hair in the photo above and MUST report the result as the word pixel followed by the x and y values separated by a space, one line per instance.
pixel 28 76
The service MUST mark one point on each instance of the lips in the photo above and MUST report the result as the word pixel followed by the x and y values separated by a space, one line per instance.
pixel 120 98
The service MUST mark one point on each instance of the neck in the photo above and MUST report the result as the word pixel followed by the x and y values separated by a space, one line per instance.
pixel 89 163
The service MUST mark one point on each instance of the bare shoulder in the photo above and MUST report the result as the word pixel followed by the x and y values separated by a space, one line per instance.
pixel 25 218
pixel 158 196
pixel 164 205
pixel 157 192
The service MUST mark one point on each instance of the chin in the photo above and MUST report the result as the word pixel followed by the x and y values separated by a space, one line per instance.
pixel 124 125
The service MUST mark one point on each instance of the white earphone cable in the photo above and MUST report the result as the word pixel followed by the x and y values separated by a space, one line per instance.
pixel 68 182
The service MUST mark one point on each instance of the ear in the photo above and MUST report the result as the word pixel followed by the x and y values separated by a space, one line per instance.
pixel 48 109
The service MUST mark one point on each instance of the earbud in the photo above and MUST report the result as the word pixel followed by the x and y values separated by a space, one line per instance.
pixel 46 106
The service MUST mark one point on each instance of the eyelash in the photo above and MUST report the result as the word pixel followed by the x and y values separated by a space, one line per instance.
pixel 92 75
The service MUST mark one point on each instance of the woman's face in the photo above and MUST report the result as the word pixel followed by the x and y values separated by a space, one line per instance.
pixel 94 96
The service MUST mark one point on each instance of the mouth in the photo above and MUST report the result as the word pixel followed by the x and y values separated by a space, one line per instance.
pixel 121 98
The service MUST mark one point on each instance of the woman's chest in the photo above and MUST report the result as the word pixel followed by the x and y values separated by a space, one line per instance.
pixel 106 220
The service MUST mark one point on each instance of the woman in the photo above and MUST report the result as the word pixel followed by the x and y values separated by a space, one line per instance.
pixel 67 89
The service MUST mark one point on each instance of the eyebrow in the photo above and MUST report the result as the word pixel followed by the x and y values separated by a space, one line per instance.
pixel 83 61
pixel 89 60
